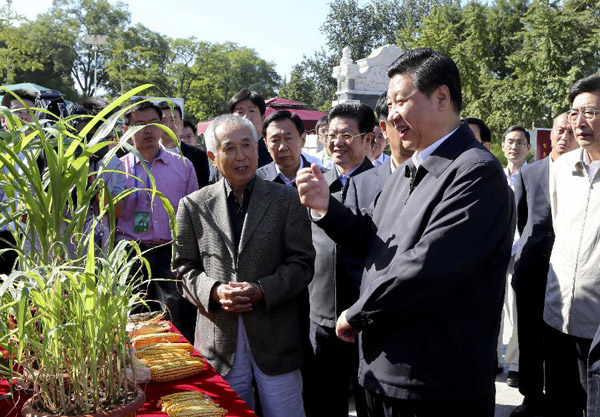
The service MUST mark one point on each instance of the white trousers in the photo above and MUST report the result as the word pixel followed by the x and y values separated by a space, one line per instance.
pixel 511 356
pixel 280 395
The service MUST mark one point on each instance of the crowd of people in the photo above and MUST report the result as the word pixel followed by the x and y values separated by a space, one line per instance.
pixel 305 279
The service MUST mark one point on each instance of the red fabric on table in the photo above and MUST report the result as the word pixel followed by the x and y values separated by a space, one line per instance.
pixel 208 382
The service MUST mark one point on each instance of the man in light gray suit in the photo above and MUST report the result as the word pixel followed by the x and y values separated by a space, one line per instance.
pixel 244 253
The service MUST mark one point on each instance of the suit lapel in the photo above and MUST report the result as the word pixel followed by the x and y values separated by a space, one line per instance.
pixel 544 181
pixel 217 205
pixel 259 202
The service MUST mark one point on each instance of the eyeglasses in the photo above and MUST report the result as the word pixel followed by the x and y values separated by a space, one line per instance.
pixel 20 113
pixel 516 144
pixel 188 136
pixel 588 113
pixel 346 137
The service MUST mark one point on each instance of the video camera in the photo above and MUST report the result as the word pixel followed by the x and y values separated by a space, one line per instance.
pixel 53 101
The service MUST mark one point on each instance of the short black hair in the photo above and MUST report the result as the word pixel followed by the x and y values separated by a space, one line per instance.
pixel 585 85
pixel 516 129
pixel 281 115
pixel 361 113
pixel 246 94
pixel 381 108
pixel 429 69
pixel 187 123
pixel 142 104
pixel 484 131
pixel 19 92
pixel 166 106
pixel 90 106
pixel 323 121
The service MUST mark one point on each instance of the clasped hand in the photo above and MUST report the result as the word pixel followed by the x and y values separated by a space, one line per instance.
pixel 237 297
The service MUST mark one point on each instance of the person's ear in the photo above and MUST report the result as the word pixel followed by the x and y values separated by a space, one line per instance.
pixel 442 96
pixel 303 137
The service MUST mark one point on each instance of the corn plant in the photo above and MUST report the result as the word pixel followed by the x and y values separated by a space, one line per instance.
pixel 63 313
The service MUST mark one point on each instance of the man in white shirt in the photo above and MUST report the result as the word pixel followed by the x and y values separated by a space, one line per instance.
pixel 572 303
pixel 515 145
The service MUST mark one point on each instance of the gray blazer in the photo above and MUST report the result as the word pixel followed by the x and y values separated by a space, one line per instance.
pixel 275 250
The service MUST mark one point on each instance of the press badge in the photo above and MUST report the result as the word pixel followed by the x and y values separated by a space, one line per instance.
pixel 141 221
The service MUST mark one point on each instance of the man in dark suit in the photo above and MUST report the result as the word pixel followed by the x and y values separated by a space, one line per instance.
pixel 244 254
pixel 364 188
pixel 336 282
pixel 284 135
pixel 251 105
pixel 437 246
pixel 534 223
pixel 172 118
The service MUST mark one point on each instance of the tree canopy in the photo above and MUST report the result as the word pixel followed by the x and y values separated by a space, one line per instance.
pixel 517 58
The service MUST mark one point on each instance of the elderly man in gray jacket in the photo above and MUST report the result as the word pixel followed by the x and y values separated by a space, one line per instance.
pixel 244 253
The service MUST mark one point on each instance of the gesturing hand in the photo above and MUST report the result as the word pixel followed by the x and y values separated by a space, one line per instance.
pixel 313 189
pixel 344 330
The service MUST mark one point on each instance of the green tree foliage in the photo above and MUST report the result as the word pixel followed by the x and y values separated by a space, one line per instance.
pixel 137 56
pixel 517 58
pixel 221 70
pixel 51 51
pixel 89 17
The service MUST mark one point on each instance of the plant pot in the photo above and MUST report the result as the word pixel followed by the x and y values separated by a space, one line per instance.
pixel 128 410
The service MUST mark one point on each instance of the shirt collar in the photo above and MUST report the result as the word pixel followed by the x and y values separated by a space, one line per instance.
pixel 344 177
pixel 174 149
pixel 285 179
pixel 419 157
pixel 160 156
pixel 509 175
pixel 247 190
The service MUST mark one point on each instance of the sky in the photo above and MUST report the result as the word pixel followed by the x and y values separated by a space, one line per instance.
pixel 281 32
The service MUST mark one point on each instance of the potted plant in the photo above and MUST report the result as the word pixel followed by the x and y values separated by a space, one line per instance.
pixel 63 314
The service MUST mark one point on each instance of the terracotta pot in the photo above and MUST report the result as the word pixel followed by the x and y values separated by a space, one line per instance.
pixel 128 410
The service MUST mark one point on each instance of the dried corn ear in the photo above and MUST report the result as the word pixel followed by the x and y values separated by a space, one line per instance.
pixel 190 404
pixel 168 370
pixel 149 328
pixel 148 339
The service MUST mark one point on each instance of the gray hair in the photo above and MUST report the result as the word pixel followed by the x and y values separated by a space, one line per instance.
pixel 212 142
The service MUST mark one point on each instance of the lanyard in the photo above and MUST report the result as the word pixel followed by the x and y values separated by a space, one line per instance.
pixel 148 185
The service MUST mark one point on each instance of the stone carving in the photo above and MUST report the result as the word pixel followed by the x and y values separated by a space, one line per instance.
pixel 366 79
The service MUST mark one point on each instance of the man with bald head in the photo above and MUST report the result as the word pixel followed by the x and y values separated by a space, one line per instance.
pixel 534 223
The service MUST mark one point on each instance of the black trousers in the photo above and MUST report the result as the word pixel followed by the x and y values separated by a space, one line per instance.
pixel 7 259
pixel 566 373
pixel 331 368
pixel 381 406
pixel 530 328
pixel 162 291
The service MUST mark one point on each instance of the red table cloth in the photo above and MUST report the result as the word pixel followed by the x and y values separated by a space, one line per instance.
pixel 207 382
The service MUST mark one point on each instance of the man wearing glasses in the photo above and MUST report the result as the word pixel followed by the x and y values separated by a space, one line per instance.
pixel 336 283
pixel 572 304
pixel 515 145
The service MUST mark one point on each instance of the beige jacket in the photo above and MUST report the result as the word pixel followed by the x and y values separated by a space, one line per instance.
pixel 573 289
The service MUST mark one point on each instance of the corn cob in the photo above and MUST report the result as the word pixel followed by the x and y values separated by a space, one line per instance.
pixel 170 347
pixel 153 354
pixel 167 370
pixel 190 404
pixel 148 339
pixel 149 328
